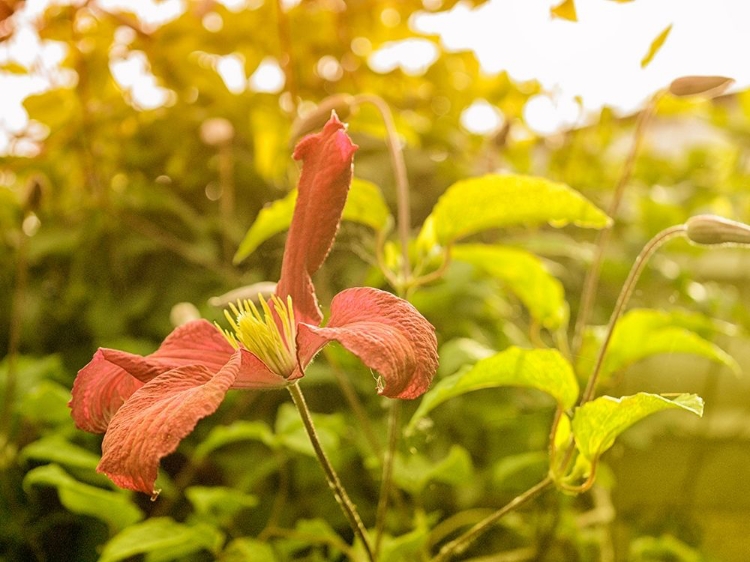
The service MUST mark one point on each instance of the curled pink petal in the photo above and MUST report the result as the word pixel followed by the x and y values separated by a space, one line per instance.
pixel 153 421
pixel 387 333
pixel 112 376
pixel 323 186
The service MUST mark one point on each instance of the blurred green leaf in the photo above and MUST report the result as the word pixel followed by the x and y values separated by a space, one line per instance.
pixel 524 275
pixel 364 205
pixel 643 333
pixel 494 201
pixel 290 431
pixel 405 548
pixel 162 539
pixel 543 369
pixel 459 352
pixel 246 549
pixel 413 471
pixel 57 450
pixel 47 403
pixel 219 504
pixel 114 508
pixel 655 46
pixel 597 424
pixel 223 435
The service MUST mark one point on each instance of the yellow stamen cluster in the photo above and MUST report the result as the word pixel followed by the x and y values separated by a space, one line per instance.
pixel 269 333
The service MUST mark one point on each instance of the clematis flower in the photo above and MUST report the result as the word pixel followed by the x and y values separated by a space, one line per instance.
pixel 146 405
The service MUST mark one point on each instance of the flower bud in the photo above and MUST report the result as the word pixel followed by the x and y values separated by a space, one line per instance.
pixel 713 230
pixel 705 86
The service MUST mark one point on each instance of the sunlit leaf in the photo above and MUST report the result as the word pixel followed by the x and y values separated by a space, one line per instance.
pixel 643 333
pixel 565 10
pixel 542 369
pixel 236 432
pixel 493 201
pixel 524 275
pixel 656 45
pixel 57 450
pixel 597 424
pixel 245 548
pixel 162 539
pixel 364 205
pixel 114 508
pixel 412 472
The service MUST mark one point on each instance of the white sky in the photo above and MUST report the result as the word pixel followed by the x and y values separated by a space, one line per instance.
pixel 596 59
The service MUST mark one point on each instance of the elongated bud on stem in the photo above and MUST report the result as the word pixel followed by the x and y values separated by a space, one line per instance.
pixel 712 230
pixel 342 104
pixel 704 86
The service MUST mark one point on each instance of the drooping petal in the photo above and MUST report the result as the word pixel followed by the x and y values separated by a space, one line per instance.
pixel 323 186
pixel 98 392
pixel 387 333
pixel 112 376
pixel 153 421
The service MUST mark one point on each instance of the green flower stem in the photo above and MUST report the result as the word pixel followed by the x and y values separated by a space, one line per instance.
pixel 622 300
pixel 459 545
pixel 394 427
pixel 349 509
pixel 592 276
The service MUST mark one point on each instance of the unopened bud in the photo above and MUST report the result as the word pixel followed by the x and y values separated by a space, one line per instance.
pixel 713 230
pixel 183 312
pixel 705 86
pixel 313 120
pixel 248 292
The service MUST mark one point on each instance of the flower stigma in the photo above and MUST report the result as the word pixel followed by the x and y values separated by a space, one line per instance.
pixel 270 333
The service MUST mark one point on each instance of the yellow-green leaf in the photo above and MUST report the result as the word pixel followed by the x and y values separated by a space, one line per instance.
pixel 543 369
pixel 524 275
pixel 656 45
pixel 565 10
pixel 597 424
pixel 494 201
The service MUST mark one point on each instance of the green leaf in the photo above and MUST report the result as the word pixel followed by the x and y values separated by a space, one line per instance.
pixel 57 450
pixel 114 508
pixel 494 201
pixel 162 539
pixel 364 205
pixel 565 10
pixel 543 369
pixel 405 548
pixel 291 433
pixel 272 219
pixel 219 504
pixel 223 435
pixel 244 549
pixel 459 352
pixel 524 275
pixel 643 333
pixel 597 424
pixel 47 403
pixel 413 472
pixel 655 46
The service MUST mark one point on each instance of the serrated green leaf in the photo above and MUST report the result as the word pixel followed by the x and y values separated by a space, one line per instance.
pixel 161 539
pixel 524 275
pixel 597 424
pixel 543 369
pixel 413 472
pixel 364 205
pixel 114 508
pixel 643 333
pixel 238 431
pixel 656 46
pixel 494 201
pixel 57 450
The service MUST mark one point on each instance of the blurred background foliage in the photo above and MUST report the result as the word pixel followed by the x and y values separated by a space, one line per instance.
pixel 113 211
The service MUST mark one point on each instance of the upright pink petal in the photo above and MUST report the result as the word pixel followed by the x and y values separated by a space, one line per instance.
pixel 112 376
pixel 387 333
pixel 151 424
pixel 323 186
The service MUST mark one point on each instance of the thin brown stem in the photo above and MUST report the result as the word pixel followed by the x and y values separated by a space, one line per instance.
pixel 459 545
pixel 602 240
pixel 627 290
pixel 342 498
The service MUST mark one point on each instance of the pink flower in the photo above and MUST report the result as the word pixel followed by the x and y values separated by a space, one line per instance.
pixel 146 405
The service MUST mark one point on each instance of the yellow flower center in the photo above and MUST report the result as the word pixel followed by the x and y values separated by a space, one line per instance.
pixel 269 332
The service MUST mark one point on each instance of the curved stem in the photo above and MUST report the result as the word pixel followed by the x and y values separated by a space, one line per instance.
pixel 592 275
pixel 463 542
pixel 394 426
pixel 399 171
pixel 627 290
pixel 349 509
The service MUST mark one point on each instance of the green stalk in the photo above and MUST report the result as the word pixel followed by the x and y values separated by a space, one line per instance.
pixel 346 504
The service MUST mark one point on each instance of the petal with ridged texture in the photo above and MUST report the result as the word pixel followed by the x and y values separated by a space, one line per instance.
pixel 153 421
pixel 387 333
pixel 323 185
